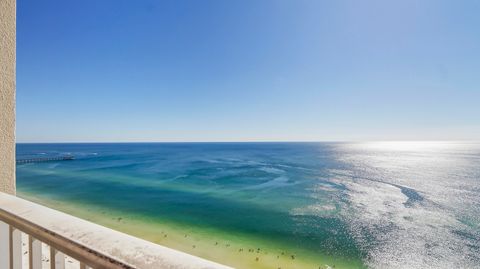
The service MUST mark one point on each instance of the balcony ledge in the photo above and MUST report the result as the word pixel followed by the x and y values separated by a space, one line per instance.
pixel 95 245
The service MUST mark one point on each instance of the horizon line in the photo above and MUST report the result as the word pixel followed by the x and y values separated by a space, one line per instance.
pixel 248 141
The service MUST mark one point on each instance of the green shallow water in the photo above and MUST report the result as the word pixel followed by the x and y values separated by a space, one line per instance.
pixel 231 247
pixel 248 205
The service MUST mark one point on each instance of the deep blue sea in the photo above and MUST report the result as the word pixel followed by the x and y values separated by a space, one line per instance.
pixel 375 204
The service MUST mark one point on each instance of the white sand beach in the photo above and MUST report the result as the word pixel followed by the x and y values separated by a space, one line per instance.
pixel 69 262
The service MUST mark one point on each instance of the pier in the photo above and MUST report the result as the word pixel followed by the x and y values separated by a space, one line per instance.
pixel 46 159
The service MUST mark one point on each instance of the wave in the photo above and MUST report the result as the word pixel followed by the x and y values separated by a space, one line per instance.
pixel 277 182
pixel 272 170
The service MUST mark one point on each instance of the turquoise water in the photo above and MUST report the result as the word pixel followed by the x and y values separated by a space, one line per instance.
pixel 378 205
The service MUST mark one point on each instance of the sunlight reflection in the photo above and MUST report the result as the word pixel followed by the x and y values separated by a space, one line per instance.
pixel 409 145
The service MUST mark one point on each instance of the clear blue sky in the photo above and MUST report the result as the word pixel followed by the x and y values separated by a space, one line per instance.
pixel 257 70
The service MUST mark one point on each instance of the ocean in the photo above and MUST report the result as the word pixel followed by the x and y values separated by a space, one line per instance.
pixel 275 205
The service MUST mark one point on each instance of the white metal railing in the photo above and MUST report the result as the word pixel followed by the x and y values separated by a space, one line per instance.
pixel 36 237
pixel 14 231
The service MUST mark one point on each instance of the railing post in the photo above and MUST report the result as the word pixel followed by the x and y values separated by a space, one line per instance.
pixel 4 245
pixel 35 253
pixel 57 259
pixel 15 248
pixel 84 266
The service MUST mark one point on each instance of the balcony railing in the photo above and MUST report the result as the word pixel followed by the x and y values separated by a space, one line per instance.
pixel 33 236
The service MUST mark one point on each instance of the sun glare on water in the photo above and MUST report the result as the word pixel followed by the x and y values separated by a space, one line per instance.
pixel 409 145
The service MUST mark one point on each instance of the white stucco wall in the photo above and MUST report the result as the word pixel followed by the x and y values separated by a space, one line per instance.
pixel 7 95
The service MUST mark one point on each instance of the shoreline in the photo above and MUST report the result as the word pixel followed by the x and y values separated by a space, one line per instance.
pixel 237 250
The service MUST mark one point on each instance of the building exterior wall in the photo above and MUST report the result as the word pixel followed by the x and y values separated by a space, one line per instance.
pixel 7 95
